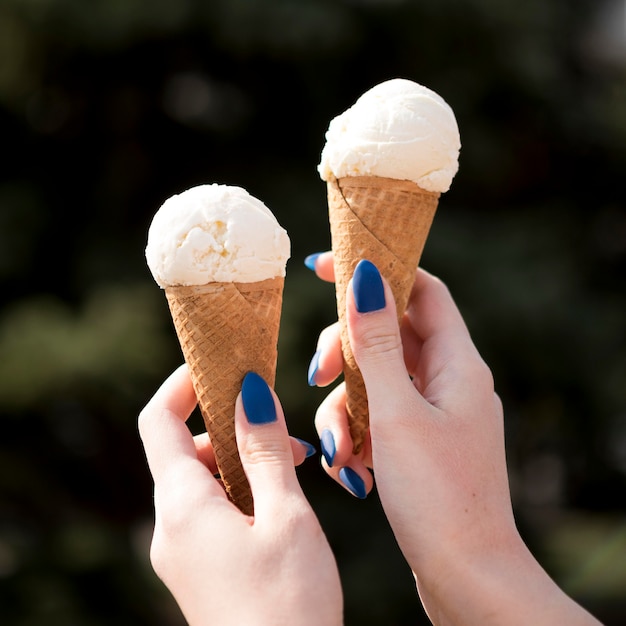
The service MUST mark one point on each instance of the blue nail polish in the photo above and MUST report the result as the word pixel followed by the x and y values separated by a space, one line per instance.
pixel 327 444
pixel 309 447
pixel 258 402
pixel 369 293
pixel 353 482
pixel 310 260
pixel 313 367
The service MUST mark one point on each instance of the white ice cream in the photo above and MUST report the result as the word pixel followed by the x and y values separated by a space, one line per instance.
pixel 398 129
pixel 215 233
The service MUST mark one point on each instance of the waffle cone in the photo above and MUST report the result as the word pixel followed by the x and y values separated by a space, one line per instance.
pixel 385 221
pixel 225 331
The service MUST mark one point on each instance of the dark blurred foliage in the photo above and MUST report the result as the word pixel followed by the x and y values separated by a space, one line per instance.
pixel 110 106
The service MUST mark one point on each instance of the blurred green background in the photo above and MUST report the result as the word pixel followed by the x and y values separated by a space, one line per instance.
pixel 108 107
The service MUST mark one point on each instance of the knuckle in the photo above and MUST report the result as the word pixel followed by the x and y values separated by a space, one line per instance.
pixel 477 370
pixel 175 498
pixel 159 555
pixel 498 407
pixel 258 450
pixel 143 422
pixel 485 375
pixel 174 520
pixel 297 518
pixel 165 555
pixel 378 342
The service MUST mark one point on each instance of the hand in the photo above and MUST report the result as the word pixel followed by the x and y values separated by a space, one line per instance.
pixel 222 566
pixel 437 449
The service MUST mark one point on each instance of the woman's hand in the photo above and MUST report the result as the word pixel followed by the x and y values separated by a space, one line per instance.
pixel 437 450
pixel 222 566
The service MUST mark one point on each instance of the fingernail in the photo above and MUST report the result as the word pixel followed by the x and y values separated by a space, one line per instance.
pixel 327 444
pixel 313 367
pixel 353 482
pixel 257 399
pixel 310 260
pixel 308 447
pixel 369 293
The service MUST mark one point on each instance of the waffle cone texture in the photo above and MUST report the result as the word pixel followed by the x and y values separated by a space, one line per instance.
pixel 226 330
pixel 385 221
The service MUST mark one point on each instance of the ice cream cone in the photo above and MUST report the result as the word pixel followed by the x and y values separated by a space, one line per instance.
pixel 385 221
pixel 225 331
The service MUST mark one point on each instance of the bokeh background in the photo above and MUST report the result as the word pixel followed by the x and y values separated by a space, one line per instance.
pixel 108 107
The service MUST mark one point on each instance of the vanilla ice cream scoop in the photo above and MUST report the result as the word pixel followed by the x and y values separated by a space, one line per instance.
pixel 215 233
pixel 398 129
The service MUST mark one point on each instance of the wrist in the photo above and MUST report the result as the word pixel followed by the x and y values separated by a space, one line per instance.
pixel 501 585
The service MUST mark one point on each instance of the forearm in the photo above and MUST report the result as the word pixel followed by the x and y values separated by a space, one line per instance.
pixel 504 589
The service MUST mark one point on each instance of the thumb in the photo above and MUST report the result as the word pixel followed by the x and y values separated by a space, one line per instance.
pixel 376 344
pixel 264 445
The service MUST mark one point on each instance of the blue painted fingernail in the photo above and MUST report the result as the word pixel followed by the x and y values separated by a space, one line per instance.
pixel 369 293
pixel 310 260
pixel 313 367
pixel 257 399
pixel 309 448
pixel 327 444
pixel 353 482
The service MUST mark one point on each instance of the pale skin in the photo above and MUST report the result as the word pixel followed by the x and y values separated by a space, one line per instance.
pixel 436 445
pixel 221 566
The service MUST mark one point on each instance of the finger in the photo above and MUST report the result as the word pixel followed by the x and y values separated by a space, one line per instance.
pixel 264 446
pixel 168 443
pixel 431 307
pixel 176 394
pixel 450 369
pixel 301 450
pixel 331 423
pixel 161 420
pixel 322 264
pixel 327 362
pixel 354 476
pixel 349 470
pixel 375 339
pixel 205 452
